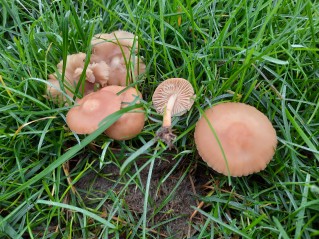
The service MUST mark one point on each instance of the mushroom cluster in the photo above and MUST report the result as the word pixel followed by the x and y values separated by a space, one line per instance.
pixel 235 139
pixel 113 65
pixel 114 61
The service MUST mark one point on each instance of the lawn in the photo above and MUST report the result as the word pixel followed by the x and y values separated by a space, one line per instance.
pixel 57 184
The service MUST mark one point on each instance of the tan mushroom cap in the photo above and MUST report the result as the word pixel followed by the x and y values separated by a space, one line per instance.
pixel 245 134
pixel 73 62
pixel 107 45
pixel 100 73
pixel 131 123
pixel 73 70
pixel 85 117
pixel 115 49
pixel 119 37
pixel 121 71
pixel 183 91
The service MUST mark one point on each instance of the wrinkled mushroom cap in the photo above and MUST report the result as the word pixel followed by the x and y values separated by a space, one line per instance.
pixel 174 86
pixel 100 72
pixel 245 134
pixel 131 123
pixel 119 50
pixel 73 62
pixel 73 70
pixel 84 118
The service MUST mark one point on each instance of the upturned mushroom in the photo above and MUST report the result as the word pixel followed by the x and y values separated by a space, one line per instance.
pixel 235 139
pixel 84 118
pixel 173 97
pixel 131 123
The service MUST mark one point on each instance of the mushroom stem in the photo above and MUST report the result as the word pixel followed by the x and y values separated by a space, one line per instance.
pixel 167 118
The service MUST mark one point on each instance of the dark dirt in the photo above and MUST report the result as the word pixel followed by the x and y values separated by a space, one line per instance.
pixel 177 201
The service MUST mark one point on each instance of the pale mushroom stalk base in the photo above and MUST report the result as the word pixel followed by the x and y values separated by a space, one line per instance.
pixel 165 133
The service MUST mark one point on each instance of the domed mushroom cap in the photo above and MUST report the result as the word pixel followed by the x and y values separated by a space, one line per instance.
pixel 246 135
pixel 131 123
pixel 106 45
pixel 180 89
pixel 120 70
pixel 120 37
pixel 85 117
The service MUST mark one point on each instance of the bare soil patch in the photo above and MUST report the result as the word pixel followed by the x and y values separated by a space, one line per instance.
pixel 170 198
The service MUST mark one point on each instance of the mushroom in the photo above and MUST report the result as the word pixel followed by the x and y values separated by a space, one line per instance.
pixel 173 97
pixel 53 90
pixel 107 45
pixel 73 70
pixel 84 118
pixel 235 139
pixel 73 62
pixel 100 73
pixel 115 49
pixel 120 70
pixel 131 123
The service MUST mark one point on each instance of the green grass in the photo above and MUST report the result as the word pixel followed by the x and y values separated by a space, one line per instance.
pixel 264 53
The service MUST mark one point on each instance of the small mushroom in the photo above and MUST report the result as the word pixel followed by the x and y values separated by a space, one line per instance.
pixel 84 118
pixel 131 123
pixel 238 140
pixel 100 73
pixel 73 70
pixel 73 62
pixel 53 90
pixel 173 97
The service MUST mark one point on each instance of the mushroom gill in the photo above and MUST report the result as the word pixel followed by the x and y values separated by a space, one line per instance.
pixel 173 97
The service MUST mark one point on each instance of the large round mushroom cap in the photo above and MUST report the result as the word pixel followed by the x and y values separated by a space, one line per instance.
pixel 131 123
pixel 177 87
pixel 84 118
pixel 246 136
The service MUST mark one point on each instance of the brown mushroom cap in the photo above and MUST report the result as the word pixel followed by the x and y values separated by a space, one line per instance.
pixel 183 91
pixel 85 117
pixel 131 123
pixel 246 135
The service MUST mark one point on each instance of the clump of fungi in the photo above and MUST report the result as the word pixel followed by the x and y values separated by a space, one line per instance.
pixel 113 66
pixel 173 97
pixel 114 61
pixel 235 139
